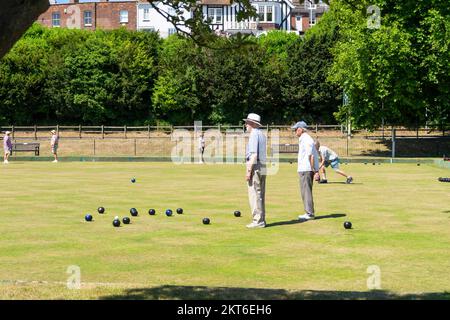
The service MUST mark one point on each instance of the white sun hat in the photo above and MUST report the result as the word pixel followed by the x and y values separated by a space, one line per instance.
pixel 253 117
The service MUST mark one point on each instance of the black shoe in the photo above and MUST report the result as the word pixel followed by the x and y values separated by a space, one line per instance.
pixel 323 181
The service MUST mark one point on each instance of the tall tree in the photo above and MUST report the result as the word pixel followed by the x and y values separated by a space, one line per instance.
pixel 396 71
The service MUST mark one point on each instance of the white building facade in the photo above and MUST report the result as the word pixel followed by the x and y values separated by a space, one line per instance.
pixel 149 19
pixel 272 15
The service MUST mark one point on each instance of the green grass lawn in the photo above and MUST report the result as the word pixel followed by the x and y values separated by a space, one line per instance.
pixel 400 214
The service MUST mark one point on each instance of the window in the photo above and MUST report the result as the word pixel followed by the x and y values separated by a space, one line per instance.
pixel 56 19
pixel 172 31
pixel 265 13
pixel 215 15
pixel 146 14
pixel 88 18
pixel 261 13
pixel 123 16
pixel 269 16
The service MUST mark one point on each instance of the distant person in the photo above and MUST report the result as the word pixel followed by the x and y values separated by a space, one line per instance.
pixel 201 146
pixel 256 170
pixel 308 168
pixel 7 146
pixel 54 144
pixel 329 157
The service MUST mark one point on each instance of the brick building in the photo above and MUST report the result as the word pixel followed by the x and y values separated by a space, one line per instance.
pixel 289 15
pixel 102 14
pixel 306 14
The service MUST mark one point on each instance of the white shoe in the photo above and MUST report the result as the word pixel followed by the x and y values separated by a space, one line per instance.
pixel 6 161
pixel 55 161
pixel 306 217
pixel 256 225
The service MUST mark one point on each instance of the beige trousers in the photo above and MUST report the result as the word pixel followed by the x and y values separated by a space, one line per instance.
pixel 257 194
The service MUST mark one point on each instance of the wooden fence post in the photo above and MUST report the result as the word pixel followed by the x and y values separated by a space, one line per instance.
pixel 393 141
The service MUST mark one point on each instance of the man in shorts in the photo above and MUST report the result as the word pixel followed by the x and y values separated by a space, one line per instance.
pixel 329 158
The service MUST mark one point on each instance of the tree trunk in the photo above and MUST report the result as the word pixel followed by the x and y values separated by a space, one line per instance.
pixel 16 16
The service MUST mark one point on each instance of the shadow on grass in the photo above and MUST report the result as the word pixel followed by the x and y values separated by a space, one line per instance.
pixel 283 223
pixel 228 293
pixel 295 221
pixel 339 182
pixel 333 215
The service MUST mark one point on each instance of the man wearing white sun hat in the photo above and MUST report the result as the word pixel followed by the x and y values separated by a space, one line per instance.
pixel 256 170
pixel 54 141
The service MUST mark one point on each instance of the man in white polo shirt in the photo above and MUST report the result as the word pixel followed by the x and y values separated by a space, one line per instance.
pixel 308 168
pixel 256 170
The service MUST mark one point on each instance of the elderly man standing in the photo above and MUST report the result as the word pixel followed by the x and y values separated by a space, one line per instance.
pixel 54 141
pixel 308 168
pixel 256 170
pixel 7 146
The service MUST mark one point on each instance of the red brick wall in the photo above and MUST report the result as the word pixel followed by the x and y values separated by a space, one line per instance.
pixel 71 15
pixel 266 26
pixel 305 21
pixel 108 15
pixel 105 15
